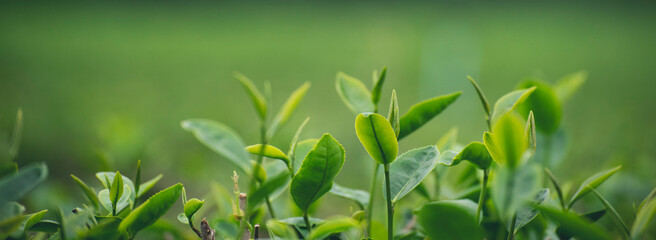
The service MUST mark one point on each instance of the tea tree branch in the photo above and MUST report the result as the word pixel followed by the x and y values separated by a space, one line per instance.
pixel 390 208
pixel 307 222
pixel 481 198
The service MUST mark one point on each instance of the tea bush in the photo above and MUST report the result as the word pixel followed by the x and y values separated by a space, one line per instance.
pixel 503 190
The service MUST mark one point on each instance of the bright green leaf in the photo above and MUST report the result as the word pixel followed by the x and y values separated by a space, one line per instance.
pixel 319 168
pixel 378 86
pixel 410 169
pixel 192 206
pixel 474 152
pixel 422 112
pixel 592 182
pixel 354 93
pixel 529 132
pixel 331 227
pixel 292 146
pixel 377 136
pixel 544 103
pixel 221 139
pixel 151 210
pixel 507 143
pixel 88 192
pixel 449 219
pixel 182 218
pixel 393 114
pixel 526 214
pixel 33 219
pixel 116 190
pixel 256 96
pixel 574 225
pixel 302 150
pixel 107 178
pixel 509 101
pixel 358 196
pixel 644 216
pixel 268 151
pixel 287 109
pixel 17 185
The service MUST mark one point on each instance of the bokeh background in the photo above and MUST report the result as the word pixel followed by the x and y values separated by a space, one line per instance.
pixel 103 84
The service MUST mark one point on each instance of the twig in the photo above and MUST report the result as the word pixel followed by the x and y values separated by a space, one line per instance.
pixel 207 233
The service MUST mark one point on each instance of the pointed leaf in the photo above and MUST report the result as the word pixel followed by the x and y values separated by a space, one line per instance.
pixel 292 146
pixel 116 190
pixel 354 93
pixel 124 201
pixel 377 136
pixel 268 151
pixel 17 185
pixel 643 218
pixel 507 143
pixel 287 109
pixel 422 112
pixel 358 196
pixel 151 210
pixel 509 101
pixel 574 225
pixel 331 227
pixel 267 189
pixel 474 152
pixel 615 216
pixel 567 85
pixel 33 219
pixel 378 86
pixel 256 96
pixel 481 96
pixel 393 114
pixel 107 178
pixel 544 103
pixel 526 214
pixel 529 132
pixel 192 206
pixel 319 168
pixel 302 150
pixel 88 192
pixel 221 139
pixel 592 182
pixel 514 188
pixel 449 219
pixel 410 169
pixel 145 187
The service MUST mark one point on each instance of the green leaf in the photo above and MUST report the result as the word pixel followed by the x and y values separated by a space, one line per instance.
pixel 358 196
pixel 644 216
pixel 47 226
pixel 302 150
pixel 137 180
pixel 124 201
pixel 269 187
pixel 561 197
pixel 331 227
pixel 88 192
pixel 354 93
pixel 145 187
pixel 279 230
pixel 529 132
pixel 544 103
pixel 377 136
pixel 507 142
pixel 256 96
pixel 319 168
pixel 567 85
pixel 192 206
pixel 553 148
pixel 615 216
pixel 574 225
pixel 449 219
pixel 292 146
pixel 393 114
pixel 481 96
pixel 17 185
pixel 422 112
pixel 268 151
pixel 105 229
pixel 448 140
pixel 592 182
pixel 378 86
pixel 116 190
pixel 151 210
pixel 474 152
pixel 287 109
pixel 526 214
pixel 221 139
pixel 107 178
pixel 514 188
pixel 33 219
pixel 182 218
pixel 509 101
pixel 410 169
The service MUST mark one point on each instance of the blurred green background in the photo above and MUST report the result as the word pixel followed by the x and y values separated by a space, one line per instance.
pixel 103 84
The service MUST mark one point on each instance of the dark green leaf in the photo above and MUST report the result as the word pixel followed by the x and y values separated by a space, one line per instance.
pixel 422 112
pixel 410 169
pixel 358 196
pixel 302 150
pixel 354 93
pixel 332 226
pixel 509 101
pixel 256 96
pixel 268 188
pixel 514 188
pixel 449 219
pixel 33 219
pixel 17 185
pixel 378 86
pixel 47 226
pixel 377 136
pixel 592 182
pixel 268 151
pixel 616 216
pixel 544 103
pixel 474 152
pixel 192 206
pixel 221 139
pixel 319 168
pixel 287 109
pixel 481 96
pixel 88 192
pixel 151 210
pixel 145 187
pixel 393 114
pixel 526 214
pixel 573 225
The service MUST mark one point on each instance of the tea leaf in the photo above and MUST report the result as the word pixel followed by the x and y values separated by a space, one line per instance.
pixel 474 152
pixel 332 226
pixel 319 168
pixel 393 114
pixel 378 86
pixel 507 143
pixel 279 230
pixel 182 218
pixel 544 103
pixel 513 188
pixel 358 196
pixel 256 96
pixel 529 132
pixel 105 229
pixel 287 109
pixel 145 187
pixel 124 201
pixel 422 112
pixel 526 214
pixel 107 178
pixel 267 189
pixel 647 199
pixel 192 206
pixel 221 139
pixel 354 93
pixel 509 101
pixel 644 216
pixel 410 169
pixel 592 182
pixel 567 85
pixel 116 190
pixel 88 192
pixel 292 146
pixel 377 136
pixel 616 216
pixel 151 210
pixel 574 225
pixel 47 226
pixel 268 151
pixel 448 140
pixel 481 96
pixel 17 185
pixel 302 150
pixel 449 219
pixel 33 219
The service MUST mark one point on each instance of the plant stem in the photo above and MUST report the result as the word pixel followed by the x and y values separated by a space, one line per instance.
pixel 268 203
pixel 372 192
pixel 511 233
pixel 481 198
pixel 390 208
pixel 307 221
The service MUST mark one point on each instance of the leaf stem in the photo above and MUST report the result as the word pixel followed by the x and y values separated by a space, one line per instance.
pixel 481 198
pixel 511 233
pixel 390 208
pixel 372 192
pixel 557 187
pixel 307 222
pixel 268 203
